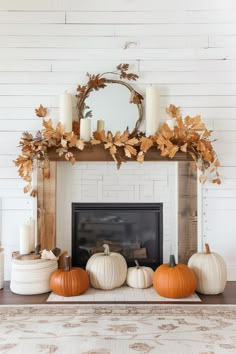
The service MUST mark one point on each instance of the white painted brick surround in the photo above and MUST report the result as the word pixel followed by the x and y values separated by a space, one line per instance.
pixel 102 182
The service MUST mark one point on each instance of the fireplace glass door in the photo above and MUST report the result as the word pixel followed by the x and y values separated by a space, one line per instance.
pixel 133 229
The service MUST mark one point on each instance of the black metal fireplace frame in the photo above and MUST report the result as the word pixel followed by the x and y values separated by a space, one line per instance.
pixel 157 207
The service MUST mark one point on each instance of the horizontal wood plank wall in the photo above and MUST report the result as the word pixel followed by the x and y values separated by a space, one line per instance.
pixel 187 48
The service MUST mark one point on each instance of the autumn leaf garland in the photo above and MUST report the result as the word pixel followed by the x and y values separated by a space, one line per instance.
pixel 189 136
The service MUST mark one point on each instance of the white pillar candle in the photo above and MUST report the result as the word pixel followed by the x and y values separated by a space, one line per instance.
pixel 32 235
pixel 66 111
pixel 25 239
pixel 100 125
pixel 85 129
pixel 152 116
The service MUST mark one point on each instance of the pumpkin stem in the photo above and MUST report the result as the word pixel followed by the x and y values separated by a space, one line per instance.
pixel 106 249
pixel 172 261
pixel 67 263
pixel 207 248
pixel 137 264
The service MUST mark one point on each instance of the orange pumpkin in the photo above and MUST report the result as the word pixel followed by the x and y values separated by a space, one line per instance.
pixel 174 280
pixel 69 281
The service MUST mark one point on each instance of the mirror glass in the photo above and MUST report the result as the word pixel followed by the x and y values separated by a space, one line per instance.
pixel 112 105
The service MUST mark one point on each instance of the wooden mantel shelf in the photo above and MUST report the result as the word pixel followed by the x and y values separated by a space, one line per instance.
pixel 98 153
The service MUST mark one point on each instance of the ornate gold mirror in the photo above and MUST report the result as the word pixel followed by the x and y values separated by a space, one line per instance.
pixel 113 104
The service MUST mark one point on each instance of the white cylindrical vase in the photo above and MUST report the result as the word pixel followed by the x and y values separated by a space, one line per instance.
pixel 85 129
pixel 65 105
pixel 152 111
pixel 25 237
pixel 1 268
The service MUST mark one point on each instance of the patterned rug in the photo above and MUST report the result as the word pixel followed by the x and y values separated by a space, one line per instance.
pixel 118 329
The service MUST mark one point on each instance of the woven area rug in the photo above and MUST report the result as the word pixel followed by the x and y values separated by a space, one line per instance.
pixel 118 329
pixel 123 294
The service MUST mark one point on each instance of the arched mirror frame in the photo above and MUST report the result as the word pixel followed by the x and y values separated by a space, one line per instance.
pixel 96 82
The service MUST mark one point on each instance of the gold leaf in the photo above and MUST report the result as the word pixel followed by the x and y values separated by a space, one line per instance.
pixel 80 144
pixel 27 188
pixel 183 148
pixel 129 151
pixel 33 193
pixel 202 178
pixel 216 180
pixel 140 156
pixel 132 141
pixel 146 143
pixel 95 142
pixel 41 111
pixel 173 111
pixel 113 150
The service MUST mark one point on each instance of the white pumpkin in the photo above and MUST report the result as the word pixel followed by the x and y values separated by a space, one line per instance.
pixel 139 277
pixel 210 270
pixel 106 270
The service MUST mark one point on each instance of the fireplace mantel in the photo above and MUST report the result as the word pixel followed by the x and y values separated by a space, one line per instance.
pixel 98 153
pixel 46 192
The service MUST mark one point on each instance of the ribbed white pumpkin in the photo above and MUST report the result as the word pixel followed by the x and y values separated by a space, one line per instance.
pixel 210 270
pixel 106 270
pixel 139 277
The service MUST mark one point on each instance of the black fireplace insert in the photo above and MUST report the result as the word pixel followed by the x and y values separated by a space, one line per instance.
pixel 133 229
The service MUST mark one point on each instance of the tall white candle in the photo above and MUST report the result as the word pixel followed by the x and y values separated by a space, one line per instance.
pixel 65 103
pixel 152 112
pixel 85 129
pixel 25 239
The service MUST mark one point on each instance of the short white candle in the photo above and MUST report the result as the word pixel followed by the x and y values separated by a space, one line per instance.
pixel 85 129
pixel 25 239
pixel 65 103
pixel 100 125
pixel 152 112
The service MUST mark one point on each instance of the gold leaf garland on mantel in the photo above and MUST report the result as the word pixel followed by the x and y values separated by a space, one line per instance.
pixel 189 135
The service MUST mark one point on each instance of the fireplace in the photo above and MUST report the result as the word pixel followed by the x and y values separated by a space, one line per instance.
pixel 133 229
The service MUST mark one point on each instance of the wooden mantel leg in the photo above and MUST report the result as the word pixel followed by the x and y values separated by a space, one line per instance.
pixel 47 205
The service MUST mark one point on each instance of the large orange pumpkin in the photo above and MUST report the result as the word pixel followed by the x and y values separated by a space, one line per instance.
pixel 174 280
pixel 69 281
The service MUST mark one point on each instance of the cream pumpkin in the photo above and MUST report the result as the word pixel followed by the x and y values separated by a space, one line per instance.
pixel 139 277
pixel 106 270
pixel 210 270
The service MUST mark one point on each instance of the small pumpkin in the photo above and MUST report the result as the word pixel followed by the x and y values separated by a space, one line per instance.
pixel 106 270
pixel 139 277
pixel 174 280
pixel 211 271
pixel 69 281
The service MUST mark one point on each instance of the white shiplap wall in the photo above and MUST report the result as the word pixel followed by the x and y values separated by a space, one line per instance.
pixel 185 47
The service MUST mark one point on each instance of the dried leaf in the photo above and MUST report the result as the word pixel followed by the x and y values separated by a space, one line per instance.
pixel 61 151
pixel 113 150
pixel 33 193
pixel 27 188
pixel 183 148
pixel 41 111
pixel 80 144
pixel 173 111
pixel 202 178
pixel 140 156
pixel 129 151
pixel 146 143
pixel 216 180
